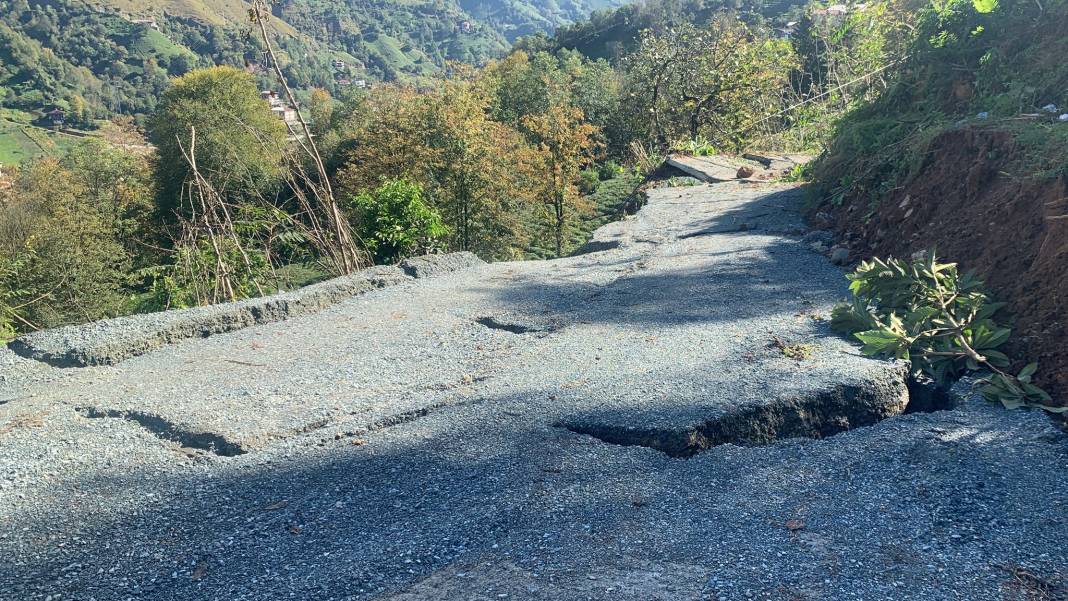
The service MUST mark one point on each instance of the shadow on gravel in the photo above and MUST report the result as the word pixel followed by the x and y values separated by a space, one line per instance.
pixel 733 286
pixel 363 520
pixel 375 517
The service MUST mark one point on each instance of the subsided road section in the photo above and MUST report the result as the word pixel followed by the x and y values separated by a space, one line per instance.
pixel 618 425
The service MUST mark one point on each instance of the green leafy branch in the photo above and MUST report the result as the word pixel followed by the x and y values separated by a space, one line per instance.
pixel 942 321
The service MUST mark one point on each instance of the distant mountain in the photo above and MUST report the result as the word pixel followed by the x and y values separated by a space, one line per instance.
pixel 116 55
pixel 517 18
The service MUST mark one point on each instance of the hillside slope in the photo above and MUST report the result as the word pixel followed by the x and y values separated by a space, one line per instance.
pixel 517 18
pixel 961 156
pixel 116 55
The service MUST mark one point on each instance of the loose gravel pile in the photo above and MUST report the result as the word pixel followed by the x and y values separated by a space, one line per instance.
pixel 623 424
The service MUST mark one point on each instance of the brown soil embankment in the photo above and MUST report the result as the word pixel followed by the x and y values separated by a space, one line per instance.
pixel 975 202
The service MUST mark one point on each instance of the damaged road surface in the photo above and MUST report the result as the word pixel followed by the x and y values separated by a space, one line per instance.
pixel 622 424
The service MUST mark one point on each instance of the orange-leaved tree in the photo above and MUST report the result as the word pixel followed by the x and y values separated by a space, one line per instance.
pixel 568 144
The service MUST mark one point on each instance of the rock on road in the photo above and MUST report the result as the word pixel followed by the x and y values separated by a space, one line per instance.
pixel 623 424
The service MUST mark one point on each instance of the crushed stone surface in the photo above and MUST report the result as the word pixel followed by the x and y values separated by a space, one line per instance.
pixel 422 441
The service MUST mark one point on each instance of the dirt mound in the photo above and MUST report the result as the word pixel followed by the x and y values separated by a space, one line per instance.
pixel 974 202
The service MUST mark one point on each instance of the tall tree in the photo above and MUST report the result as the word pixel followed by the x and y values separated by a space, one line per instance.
pixel 706 81
pixel 569 144
pixel 238 140
pixel 477 172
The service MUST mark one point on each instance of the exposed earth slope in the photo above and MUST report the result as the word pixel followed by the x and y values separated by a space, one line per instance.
pixel 624 424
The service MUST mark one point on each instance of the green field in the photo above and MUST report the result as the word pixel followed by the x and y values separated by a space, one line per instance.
pixel 20 142
pixel 15 145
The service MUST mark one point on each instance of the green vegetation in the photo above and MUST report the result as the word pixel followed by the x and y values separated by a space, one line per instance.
pixel 396 222
pixel 215 116
pixel 613 34
pixel 16 145
pixel 70 232
pixel 965 68
pixel 705 82
pixel 940 320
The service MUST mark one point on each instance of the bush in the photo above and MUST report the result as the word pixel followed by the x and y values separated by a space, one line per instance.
pixel 609 170
pixel 589 179
pixel 8 298
pixel 926 312
pixel 394 221
pixel 61 247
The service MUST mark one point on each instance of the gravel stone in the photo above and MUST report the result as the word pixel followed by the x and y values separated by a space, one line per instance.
pixel 434 265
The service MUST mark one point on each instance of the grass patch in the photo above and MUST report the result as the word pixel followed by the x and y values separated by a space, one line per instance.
pixel 794 350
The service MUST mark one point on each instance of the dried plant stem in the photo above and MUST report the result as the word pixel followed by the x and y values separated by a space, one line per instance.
pixel 342 251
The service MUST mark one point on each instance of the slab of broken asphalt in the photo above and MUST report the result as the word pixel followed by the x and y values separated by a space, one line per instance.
pixel 430 437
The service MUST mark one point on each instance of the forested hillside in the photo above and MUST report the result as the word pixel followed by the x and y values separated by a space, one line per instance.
pixel 99 58
pixel 614 33
pixel 517 18
pixel 95 63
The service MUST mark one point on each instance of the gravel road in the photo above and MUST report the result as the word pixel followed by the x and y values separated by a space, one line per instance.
pixel 623 424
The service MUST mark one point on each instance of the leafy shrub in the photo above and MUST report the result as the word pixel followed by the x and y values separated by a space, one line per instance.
pixel 395 221
pixel 9 314
pixel 926 312
pixel 589 179
pixel 61 243
pixel 609 169
pixel 194 276
pixel 698 147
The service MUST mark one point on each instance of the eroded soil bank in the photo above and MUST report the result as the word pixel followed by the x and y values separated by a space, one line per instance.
pixel 974 200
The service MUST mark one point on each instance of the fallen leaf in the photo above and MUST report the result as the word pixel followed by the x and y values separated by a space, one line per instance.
pixel 294 529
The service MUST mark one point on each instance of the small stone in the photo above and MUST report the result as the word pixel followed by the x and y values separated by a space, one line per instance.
pixel 840 256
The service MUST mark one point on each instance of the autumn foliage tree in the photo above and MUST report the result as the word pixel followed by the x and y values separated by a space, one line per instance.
pixel 568 145
pixel 477 172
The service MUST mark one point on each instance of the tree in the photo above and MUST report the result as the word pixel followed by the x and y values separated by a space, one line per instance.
pixel 321 109
pixel 118 185
pixel 60 250
pixel 478 173
pixel 569 145
pixel 394 221
pixel 239 140
pixel 707 82
pixel 79 111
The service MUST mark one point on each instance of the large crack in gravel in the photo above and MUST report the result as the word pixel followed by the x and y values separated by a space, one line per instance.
pixel 513 326
pixel 817 416
pixel 167 430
